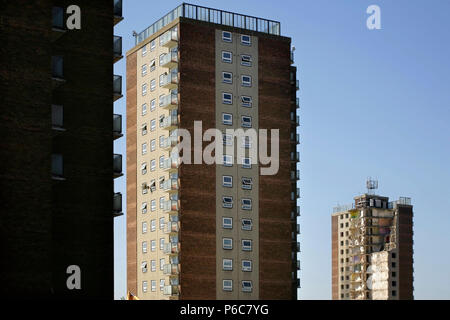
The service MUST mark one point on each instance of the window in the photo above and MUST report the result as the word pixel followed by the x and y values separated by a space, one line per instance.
pixel 246 40
pixel 144 227
pixel 152 65
pixel 394 274
pixel 227 264
pixel 153 285
pixel 161 162
pixel 162 223
pixel 144 50
pixel 162 283
pixel 246 204
pixel 144 247
pixel 394 293
pixel 394 283
pixel 161 201
pixel 246 245
pixel 144 148
pixel 152 145
pixel 144 286
pixel 161 186
pixel 247 286
pixel 227 77
pixel 227 36
pixel 153 165
pixel 153 105
pixel 227 202
pixel 227 98
pixel 227 161
pixel 58 18
pixel 246 122
pixel 161 244
pixel 246 81
pixel 144 89
pixel 247 183
pixel 227 139
pixel 393 265
pixel 57 165
pixel 144 70
pixel 246 142
pixel 227 181
pixel 227 243
pixel 57 116
pixel 161 57
pixel 144 207
pixel 153 225
pixel 153 85
pixel 144 129
pixel 246 265
pixel 227 285
pixel 246 163
pixel 144 109
pixel 57 67
pixel 161 141
pixel 394 255
pixel 227 57
pixel 153 206
pixel 227 119
pixel 247 224
pixel 153 265
pixel 246 60
pixel 162 262
pixel 153 245
pixel 144 267
pixel 152 45
pixel 227 223
pixel 246 101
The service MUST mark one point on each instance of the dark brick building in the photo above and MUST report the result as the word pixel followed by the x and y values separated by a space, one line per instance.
pixel 56 152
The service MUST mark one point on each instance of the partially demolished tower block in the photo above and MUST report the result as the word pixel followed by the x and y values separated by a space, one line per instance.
pixel 373 249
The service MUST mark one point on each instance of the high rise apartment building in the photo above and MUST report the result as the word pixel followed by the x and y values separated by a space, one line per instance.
pixel 372 249
pixel 210 231
pixel 56 153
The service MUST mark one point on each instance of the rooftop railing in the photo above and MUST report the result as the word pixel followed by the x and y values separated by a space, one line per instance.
pixel 212 16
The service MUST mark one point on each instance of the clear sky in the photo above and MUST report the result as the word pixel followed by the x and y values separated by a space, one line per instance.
pixel 373 103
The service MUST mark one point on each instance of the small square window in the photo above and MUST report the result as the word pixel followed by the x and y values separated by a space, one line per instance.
pixel 247 183
pixel 227 264
pixel 246 60
pixel 394 283
pixel 247 286
pixel 227 161
pixel 246 265
pixel 227 181
pixel 394 293
pixel 246 163
pixel 246 101
pixel 227 285
pixel 227 77
pixel 246 245
pixel 246 204
pixel 144 267
pixel 227 57
pixel 247 224
pixel 246 40
pixel 227 202
pixel 227 36
pixel 227 98
pixel 144 129
pixel 227 243
pixel 227 119
pixel 246 121
pixel 227 223
pixel 246 81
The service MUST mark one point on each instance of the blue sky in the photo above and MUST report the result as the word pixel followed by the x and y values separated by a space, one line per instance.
pixel 373 103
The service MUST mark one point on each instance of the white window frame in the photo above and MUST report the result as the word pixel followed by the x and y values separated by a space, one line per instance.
pixel 227 122
pixel 144 168
pixel 227 184
pixel 144 207
pixel 227 223
pixel 152 45
pixel 153 266
pixel 247 248
pixel 162 223
pixel 246 60
pixel 153 225
pixel 144 267
pixel 227 100
pixel 152 165
pixel 227 160
pixel 153 285
pixel 246 165
pixel 246 42
pixel 227 264
pixel 162 263
pixel 227 204
pixel 245 206
pixel 153 206
pixel 144 51
pixel 226 247
pixel 246 83
pixel 152 85
pixel 246 124
pixel 144 109
pixel 247 227
pixel 153 245
pixel 144 227
pixel 247 183
pixel 247 268
pixel 144 286
pixel 225 59
pixel 162 241
pixel 144 89
pixel 247 288
pixel 144 148
pixel 225 38
pixel 227 285
pixel 227 139
pixel 144 247
pixel 144 130
pixel 144 70
pixel 225 79
pixel 152 145
pixel 153 105
pixel 162 200
pixel 246 101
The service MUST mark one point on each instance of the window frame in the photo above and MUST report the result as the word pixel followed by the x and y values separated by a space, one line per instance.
pixel 227 184
pixel 247 248
pixel 225 59
pixel 247 84
pixel 227 225
pixel 224 78
pixel 246 63
pixel 227 39
pixel 227 101
pixel 226 247
pixel 244 42
pixel 227 122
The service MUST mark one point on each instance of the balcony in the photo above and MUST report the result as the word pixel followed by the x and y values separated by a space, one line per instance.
pixel 170 207
pixel 171 248
pixel 169 143
pixel 169 101
pixel 117 11
pixel 171 186
pixel 169 60
pixel 117 166
pixel 172 227
pixel 169 39
pixel 170 123
pixel 169 80
pixel 58 27
pixel 117 126
pixel 117 87
pixel 117 205
pixel 171 290
pixel 171 269
pixel 117 49
pixel 170 165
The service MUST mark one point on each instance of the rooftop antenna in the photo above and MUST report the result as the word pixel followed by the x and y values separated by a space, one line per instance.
pixel 371 185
